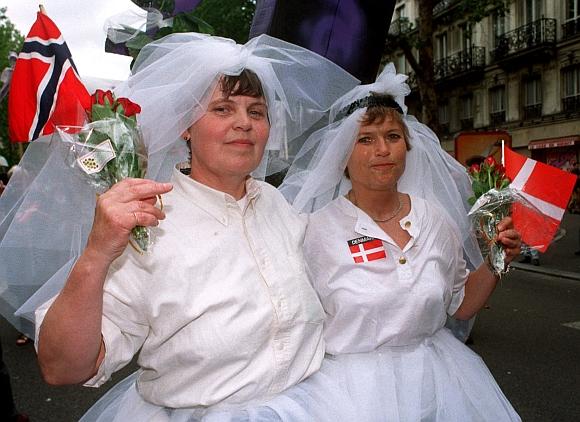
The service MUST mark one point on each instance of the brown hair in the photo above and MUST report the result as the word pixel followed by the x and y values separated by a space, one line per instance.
pixel 378 114
pixel 246 83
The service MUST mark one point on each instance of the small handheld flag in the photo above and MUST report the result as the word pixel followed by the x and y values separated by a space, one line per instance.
pixel 547 188
pixel 45 83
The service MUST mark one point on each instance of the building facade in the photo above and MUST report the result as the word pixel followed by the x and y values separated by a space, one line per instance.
pixel 518 73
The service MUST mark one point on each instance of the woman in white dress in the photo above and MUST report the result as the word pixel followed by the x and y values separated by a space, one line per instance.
pixel 386 248
pixel 220 311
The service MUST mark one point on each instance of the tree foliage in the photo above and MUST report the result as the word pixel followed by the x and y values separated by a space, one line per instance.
pixel 224 18
pixel 229 18
pixel 432 14
pixel 10 40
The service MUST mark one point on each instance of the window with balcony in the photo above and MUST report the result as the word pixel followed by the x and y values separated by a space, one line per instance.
pixel 401 64
pixel 571 26
pixel 444 117
pixel 571 82
pixel 441 42
pixel 532 97
pixel 466 112
pixel 532 10
pixel 400 12
pixel 572 9
pixel 497 105
pixel 499 24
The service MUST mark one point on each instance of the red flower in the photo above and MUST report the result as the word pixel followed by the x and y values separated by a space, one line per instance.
pixel 103 97
pixel 490 161
pixel 129 108
pixel 474 169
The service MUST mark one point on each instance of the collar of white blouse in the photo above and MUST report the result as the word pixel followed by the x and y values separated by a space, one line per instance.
pixel 367 227
pixel 218 204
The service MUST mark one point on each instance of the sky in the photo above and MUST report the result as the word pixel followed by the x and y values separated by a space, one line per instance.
pixel 82 25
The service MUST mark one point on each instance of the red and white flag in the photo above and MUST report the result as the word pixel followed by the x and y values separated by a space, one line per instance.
pixel 365 249
pixel 44 84
pixel 547 188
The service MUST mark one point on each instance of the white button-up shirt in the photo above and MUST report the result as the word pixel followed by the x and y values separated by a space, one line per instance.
pixel 375 293
pixel 221 307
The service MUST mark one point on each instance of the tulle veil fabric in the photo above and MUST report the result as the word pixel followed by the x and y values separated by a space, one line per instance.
pixel 316 175
pixel 47 209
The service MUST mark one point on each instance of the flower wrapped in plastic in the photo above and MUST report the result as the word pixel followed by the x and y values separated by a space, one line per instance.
pixel 491 202
pixel 109 149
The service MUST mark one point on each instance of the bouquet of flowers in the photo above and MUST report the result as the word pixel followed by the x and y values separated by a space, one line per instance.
pixel 110 148
pixel 491 201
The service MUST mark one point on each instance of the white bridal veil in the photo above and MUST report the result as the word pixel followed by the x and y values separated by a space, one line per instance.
pixel 316 176
pixel 47 209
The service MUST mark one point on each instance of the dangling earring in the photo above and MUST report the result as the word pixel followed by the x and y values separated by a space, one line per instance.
pixel 187 138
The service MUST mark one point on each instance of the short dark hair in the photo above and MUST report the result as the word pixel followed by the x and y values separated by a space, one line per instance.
pixel 246 83
pixel 377 114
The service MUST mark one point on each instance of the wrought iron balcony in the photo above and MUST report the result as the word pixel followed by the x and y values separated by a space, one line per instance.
pixel 571 29
pixel 497 118
pixel 460 63
pixel 571 104
pixel 442 6
pixel 532 111
pixel 540 34
pixel 400 26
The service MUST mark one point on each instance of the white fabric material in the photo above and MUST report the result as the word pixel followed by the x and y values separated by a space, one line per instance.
pixel 46 212
pixel 299 87
pixel 316 175
pixel 223 310
pixel 385 318
pixel 437 380
pixel 383 301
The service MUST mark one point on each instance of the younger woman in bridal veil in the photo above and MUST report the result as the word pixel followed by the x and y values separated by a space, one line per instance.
pixel 386 248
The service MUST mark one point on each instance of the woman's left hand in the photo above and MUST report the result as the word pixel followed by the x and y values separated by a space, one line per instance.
pixel 509 238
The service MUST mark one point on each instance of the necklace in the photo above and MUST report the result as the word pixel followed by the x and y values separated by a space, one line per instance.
pixel 352 198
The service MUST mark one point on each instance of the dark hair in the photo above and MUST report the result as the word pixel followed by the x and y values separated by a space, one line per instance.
pixel 377 114
pixel 246 83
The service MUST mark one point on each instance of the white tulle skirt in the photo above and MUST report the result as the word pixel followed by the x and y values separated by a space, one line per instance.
pixel 438 380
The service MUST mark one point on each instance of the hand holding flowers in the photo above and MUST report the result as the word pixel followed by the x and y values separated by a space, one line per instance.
pixel 491 203
pixel 109 148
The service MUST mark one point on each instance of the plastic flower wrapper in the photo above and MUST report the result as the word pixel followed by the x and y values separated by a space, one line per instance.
pixel 491 202
pixel 109 149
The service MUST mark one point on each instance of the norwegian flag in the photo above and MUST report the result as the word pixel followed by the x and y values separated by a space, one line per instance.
pixel 547 188
pixel 45 88
pixel 365 249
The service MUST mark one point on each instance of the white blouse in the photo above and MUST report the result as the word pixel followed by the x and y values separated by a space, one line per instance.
pixel 221 308
pixel 373 292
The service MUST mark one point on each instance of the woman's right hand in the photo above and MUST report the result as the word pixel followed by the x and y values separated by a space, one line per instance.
pixel 128 204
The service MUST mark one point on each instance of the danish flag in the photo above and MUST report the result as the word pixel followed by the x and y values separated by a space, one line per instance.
pixel 45 89
pixel 547 188
pixel 365 249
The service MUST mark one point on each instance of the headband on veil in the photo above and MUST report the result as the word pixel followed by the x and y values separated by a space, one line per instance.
pixel 316 175
pixel 46 212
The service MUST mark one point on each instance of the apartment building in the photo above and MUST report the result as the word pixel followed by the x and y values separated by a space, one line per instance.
pixel 518 73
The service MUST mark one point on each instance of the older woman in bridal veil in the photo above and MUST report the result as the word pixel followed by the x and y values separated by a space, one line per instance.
pixel 220 311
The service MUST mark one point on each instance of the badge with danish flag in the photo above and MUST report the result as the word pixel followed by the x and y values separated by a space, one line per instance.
pixel 366 249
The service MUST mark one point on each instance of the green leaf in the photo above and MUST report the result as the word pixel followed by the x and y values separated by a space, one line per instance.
pixel 140 41
pixel 101 112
